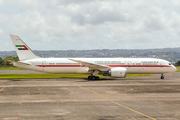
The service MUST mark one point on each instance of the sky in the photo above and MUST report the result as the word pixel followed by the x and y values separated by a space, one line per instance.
pixel 90 24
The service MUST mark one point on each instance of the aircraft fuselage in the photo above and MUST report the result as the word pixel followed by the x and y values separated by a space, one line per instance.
pixel 133 65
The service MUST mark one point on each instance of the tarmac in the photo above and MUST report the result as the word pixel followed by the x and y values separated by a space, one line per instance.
pixel 134 98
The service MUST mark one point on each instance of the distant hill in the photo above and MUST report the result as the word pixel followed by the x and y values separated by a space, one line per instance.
pixel 170 54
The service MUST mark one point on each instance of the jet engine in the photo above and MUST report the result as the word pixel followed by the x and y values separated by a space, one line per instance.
pixel 118 72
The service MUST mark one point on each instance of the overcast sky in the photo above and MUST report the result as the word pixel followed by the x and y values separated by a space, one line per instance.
pixel 90 24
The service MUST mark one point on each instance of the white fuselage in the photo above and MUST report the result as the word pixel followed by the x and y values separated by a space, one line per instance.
pixel 66 66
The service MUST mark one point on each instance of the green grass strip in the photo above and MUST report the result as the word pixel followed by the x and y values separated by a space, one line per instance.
pixel 14 76
pixel 178 67
pixel 138 75
pixel 11 68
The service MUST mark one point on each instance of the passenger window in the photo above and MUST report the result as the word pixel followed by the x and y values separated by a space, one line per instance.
pixel 169 63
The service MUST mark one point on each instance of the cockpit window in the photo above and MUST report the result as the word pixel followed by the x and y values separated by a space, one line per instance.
pixel 169 63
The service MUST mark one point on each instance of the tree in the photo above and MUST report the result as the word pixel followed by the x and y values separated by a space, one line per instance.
pixel 1 62
pixel 16 59
pixel 177 64
pixel 8 60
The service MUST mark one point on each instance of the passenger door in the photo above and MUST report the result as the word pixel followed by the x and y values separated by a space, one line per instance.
pixel 43 65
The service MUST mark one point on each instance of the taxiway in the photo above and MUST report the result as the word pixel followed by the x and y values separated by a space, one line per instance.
pixel 136 98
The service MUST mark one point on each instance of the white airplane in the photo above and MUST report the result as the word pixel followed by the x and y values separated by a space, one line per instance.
pixel 114 67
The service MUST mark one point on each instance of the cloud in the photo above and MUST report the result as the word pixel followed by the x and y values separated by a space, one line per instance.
pixel 1 31
pixel 1 2
pixel 85 24
pixel 68 2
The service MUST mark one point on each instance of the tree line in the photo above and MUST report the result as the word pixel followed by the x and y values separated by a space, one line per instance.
pixel 177 63
pixel 6 62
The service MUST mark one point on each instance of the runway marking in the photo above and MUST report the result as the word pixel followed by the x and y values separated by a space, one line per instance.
pixel 69 90
pixel 2 88
pixel 117 103
pixel 13 118
pixel 111 92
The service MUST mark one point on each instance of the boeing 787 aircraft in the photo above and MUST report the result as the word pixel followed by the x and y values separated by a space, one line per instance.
pixel 114 67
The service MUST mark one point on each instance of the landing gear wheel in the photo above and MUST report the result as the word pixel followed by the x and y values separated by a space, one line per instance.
pixel 89 77
pixel 93 77
pixel 162 76
pixel 97 78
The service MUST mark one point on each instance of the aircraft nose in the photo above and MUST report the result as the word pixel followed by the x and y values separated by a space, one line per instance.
pixel 174 68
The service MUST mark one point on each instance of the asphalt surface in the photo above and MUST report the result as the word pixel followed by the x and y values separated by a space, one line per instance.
pixel 136 98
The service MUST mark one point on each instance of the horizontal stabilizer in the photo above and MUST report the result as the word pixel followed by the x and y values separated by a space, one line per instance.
pixel 19 63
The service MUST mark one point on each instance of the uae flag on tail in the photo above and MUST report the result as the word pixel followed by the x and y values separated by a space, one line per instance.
pixel 22 47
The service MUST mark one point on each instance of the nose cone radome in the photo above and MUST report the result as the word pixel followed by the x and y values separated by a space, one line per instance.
pixel 174 68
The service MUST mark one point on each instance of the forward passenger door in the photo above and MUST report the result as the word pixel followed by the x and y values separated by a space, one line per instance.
pixel 43 65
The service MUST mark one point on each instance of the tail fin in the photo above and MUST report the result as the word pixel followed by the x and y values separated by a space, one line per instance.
pixel 23 51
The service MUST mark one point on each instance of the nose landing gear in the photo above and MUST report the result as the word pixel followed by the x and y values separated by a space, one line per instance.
pixel 162 76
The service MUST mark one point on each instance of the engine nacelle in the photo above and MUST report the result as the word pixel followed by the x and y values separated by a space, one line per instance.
pixel 118 72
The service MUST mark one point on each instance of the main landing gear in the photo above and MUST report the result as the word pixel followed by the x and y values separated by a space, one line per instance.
pixel 93 78
pixel 162 76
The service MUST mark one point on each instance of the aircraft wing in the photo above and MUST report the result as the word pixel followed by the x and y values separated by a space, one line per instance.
pixel 92 66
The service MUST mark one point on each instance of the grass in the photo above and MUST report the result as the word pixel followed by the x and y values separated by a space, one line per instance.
pixel 138 75
pixel 15 76
pixel 178 68
pixel 11 68
pixel 9 76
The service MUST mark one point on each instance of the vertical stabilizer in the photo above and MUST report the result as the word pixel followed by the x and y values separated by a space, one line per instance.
pixel 23 51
